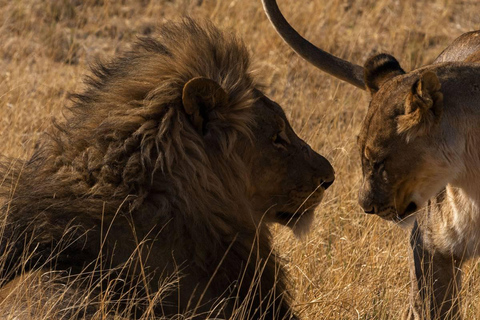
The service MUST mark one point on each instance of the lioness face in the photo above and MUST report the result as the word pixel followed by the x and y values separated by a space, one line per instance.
pixel 288 177
pixel 390 165
pixel 402 161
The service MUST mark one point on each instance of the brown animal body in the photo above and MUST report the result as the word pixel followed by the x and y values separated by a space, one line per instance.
pixel 420 151
pixel 465 48
pixel 168 166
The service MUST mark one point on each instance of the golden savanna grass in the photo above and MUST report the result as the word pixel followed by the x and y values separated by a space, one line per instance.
pixel 351 266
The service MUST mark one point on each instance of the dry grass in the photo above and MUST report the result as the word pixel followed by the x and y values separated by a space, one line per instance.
pixel 351 266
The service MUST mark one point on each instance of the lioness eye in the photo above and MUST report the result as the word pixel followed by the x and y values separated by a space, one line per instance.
pixel 379 165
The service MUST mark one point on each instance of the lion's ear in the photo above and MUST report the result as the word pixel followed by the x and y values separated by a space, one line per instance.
pixel 200 96
pixel 379 69
pixel 423 106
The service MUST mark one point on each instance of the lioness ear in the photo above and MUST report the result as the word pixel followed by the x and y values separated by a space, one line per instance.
pixel 200 96
pixel 379 69
pixel 423 107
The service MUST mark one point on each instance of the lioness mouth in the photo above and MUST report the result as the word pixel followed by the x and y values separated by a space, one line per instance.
pixel 411 208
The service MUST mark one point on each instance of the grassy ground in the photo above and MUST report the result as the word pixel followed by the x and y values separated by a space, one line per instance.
pixel 351 266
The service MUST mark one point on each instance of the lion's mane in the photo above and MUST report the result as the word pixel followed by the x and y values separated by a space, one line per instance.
pixel 125 165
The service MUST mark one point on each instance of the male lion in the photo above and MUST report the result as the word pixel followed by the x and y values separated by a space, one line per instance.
pixel 420 149
pixel 168 166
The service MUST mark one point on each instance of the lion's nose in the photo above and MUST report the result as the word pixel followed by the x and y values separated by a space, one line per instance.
pixel 326 184
pixel 324 172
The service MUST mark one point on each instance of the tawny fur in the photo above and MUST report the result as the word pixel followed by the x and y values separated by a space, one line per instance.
pixel 420 150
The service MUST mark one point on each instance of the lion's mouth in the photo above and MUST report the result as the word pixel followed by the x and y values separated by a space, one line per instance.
pixel 288 218
pixel 292 212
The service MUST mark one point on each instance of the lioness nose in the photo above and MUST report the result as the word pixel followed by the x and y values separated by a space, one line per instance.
pixel 365 199
pixel 370 210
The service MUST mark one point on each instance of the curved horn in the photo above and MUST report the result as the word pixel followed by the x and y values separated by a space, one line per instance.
pixel 324 61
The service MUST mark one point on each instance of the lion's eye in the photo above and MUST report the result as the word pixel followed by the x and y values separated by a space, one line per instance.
pixel 280 139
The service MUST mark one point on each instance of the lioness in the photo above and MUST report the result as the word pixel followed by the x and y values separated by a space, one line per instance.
pixel 420 151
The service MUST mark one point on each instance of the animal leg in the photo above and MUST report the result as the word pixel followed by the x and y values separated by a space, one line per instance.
pixel 435 281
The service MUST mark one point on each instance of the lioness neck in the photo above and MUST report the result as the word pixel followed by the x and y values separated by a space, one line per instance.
pixel 460 211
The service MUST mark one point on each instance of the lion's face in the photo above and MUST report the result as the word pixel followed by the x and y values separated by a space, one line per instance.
pixel 288 177
pixel 402 161
pixel 285 178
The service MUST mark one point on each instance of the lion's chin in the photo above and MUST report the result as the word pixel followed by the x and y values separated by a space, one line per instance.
pixel 303 225
pixel 300 223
